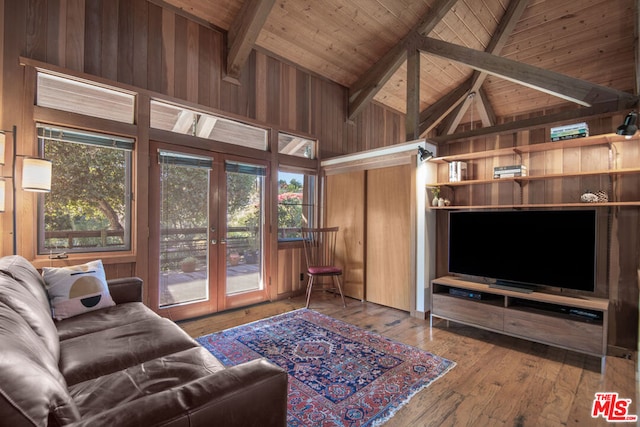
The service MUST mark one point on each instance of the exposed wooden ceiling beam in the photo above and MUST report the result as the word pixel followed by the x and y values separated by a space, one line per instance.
pixel 432 116
pixel 485 109
pixel 498 40
pixel 478 102
pixel 571 89
pixel 368 85
pixel 243 34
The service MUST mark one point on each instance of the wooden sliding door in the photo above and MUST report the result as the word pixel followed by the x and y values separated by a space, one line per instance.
pixel 345 208
pixel 388 237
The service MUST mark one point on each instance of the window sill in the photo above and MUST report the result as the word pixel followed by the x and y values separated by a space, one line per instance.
pixel 80 258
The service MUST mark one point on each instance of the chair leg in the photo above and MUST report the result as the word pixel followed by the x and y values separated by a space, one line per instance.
pixel 337 280
pixel 309 286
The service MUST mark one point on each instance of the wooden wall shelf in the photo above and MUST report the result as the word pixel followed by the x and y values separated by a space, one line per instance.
pixel 537 205
pixel 524 179
pixel 545 146
pixel 605 139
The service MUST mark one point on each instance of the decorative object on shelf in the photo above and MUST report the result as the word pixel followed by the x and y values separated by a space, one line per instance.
pixel 577 130
pixel 602 196
pixel 597 197
pixel 436 195
pixel 628 128
pixel 457 171
pixel 440 202
pixel 588 197
pixel 447 202
pixel 424 154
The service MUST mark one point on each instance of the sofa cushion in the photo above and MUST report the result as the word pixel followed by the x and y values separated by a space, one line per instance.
pixel 26 274
pixel 103 352
pixel 106 318
pixel 32 389
pixel 77 289
pixel 36 315
pixel 174 370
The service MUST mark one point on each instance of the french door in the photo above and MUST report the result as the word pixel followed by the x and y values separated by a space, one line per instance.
pixel 207 243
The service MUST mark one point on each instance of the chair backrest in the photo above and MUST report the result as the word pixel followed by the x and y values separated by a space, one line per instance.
pixel 319 245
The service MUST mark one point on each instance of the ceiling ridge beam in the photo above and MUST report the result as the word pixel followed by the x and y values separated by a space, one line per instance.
pixel 243 34
pixel 508 22
pixel 370 83
pixel 569 88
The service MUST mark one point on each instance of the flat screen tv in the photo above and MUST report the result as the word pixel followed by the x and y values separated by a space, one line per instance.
pixel 525 248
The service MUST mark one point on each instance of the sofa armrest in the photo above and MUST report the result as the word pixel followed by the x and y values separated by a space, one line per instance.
pixel 128 289
pixel 250 394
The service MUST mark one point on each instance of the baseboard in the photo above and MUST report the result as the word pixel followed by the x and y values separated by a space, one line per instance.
pixel 420 314
pixel 624 353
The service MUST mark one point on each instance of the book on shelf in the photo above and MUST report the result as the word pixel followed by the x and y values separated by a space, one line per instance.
pixel 509 175
pixel 577 130
pixel 510 171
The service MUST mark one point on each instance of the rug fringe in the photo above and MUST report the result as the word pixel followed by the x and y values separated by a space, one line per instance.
pixel 392 411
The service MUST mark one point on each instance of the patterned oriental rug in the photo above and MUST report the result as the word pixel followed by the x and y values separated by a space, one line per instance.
pixel 339 374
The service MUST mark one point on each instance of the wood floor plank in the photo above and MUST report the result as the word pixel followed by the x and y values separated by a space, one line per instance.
pixel 498 380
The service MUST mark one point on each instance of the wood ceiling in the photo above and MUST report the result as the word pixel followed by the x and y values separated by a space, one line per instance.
pixel 515 57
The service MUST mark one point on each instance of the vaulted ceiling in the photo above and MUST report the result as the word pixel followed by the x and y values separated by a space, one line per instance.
pixel 486 62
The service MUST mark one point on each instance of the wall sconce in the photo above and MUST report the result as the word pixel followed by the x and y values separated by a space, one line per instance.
pixel 628 128
pixel 36 175
pixel 424 154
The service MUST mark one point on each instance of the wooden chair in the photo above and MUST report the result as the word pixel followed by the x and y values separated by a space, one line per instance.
pixel 319 251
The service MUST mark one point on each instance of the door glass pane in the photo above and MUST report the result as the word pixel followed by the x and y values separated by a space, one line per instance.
pixel 184 220
pixel 245 200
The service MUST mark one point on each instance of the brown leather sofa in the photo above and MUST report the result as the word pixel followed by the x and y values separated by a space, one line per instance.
pixel 118 366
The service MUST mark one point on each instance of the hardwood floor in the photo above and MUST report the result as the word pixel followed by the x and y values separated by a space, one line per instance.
pixel 498 380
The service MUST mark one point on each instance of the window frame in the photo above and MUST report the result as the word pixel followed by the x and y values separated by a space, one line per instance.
pixel 109 141
pixel 309 198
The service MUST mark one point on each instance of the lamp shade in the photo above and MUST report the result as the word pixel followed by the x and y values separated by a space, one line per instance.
pixel 2 194
pixel 36 175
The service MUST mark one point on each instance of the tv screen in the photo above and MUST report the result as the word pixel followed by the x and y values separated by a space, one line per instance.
pixel 543 247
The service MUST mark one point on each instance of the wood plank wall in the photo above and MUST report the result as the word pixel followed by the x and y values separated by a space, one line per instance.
pixel 141 44
pixel 159 49
pixel 619 234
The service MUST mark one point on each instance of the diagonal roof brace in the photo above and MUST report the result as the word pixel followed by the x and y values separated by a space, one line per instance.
pixel 571 89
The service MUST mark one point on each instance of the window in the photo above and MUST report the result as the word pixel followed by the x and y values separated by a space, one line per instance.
pixel 296 204
pixel 87 98
pixel 89 206
pixel 190 122
pixel 297 146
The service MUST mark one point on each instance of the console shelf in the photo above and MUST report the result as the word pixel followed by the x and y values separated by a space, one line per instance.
pixel 574 323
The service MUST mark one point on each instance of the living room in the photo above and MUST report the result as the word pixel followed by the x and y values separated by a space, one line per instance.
pixel 292 93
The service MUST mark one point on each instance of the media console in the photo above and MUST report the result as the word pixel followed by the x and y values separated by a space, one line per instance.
pixel 574 323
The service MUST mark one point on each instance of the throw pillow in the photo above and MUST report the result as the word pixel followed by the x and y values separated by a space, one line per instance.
pixel 77 289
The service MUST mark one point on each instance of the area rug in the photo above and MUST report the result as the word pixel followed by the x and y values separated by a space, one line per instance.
pixel 339 374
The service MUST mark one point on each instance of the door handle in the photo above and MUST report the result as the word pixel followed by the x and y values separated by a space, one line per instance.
pixel 223 241
pixel 214 241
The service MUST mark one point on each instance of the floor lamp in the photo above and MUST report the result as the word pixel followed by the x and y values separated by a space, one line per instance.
pixel 36 176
